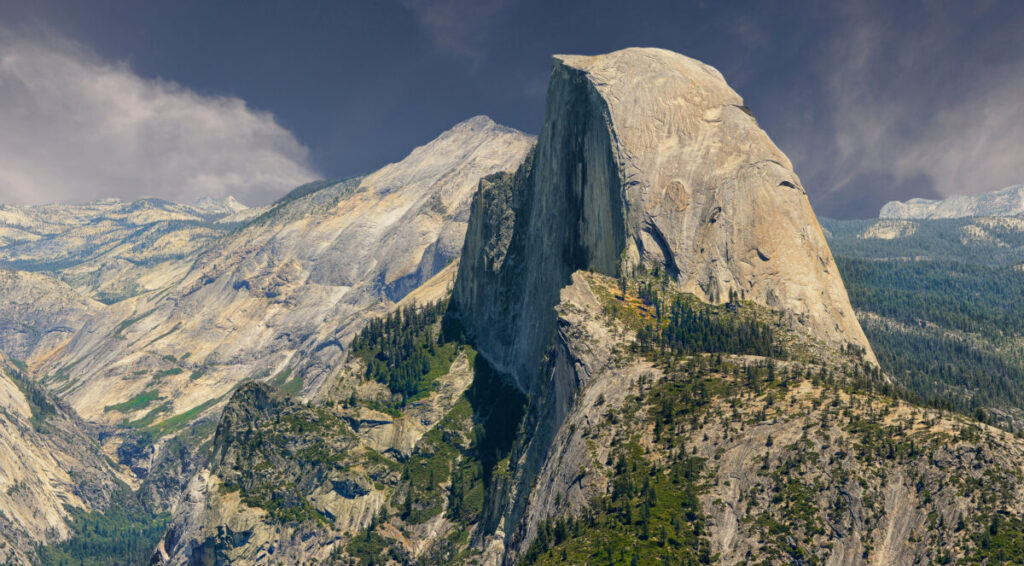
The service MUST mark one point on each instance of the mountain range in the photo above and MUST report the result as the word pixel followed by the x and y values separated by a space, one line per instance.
pixel 625 340
pixel 1004 202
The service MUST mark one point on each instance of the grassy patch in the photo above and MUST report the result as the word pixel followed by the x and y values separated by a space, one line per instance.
pixel 119 330
pixel 173 329
pixel 290 386
pixel 167 373
pixel 140 401
pixel 177 422
pixel 151 416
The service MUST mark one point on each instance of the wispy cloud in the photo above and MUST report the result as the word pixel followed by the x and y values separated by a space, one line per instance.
pixel 75 127
pixel 933 108
pixel 458 27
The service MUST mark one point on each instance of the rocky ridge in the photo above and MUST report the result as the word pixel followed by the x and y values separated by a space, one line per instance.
pixel 647 160
pixel 798 460
pixel 295 280
pixel 273 293
pixel 1004 202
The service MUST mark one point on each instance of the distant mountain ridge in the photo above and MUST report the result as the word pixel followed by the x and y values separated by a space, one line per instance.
pixel 1004 202
pixel 145 316
pixel 108 249
pixel 227 205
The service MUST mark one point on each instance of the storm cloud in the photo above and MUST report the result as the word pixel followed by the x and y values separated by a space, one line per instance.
pixel 76 128
pixel 872 100
pixel 920 102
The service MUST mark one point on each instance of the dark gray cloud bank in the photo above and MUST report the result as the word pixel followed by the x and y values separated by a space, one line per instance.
pixel 873 101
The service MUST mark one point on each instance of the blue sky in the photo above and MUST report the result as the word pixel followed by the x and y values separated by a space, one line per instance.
pixel 872 101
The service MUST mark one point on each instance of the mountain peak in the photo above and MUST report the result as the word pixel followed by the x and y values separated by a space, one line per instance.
pixel 476 126
pixel 227 205
pixel 647 160
pixel 476 122
pixel 641 61
pixel 1008 201
pixel 477 140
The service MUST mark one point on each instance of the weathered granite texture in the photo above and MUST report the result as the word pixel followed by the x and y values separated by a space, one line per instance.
pixel 646 158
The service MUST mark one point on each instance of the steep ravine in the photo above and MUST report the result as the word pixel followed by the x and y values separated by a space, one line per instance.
pixel 50 467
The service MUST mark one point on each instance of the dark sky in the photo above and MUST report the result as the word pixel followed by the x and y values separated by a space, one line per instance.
pixel 871 101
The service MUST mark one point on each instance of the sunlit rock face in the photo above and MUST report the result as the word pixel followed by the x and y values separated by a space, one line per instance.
pixel 646 158
pixel 48 465
pixel 248 295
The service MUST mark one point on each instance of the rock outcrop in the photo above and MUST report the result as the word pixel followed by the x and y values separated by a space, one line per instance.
pixel 40 313
pixel 293 482
pixel 801 469
pixel 647 160
pixel 1004 202
pixel 48 464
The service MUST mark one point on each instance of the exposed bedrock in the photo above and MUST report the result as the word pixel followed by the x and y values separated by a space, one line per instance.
pixel 646 157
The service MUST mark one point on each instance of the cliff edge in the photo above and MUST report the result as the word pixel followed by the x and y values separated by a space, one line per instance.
pixel 647 160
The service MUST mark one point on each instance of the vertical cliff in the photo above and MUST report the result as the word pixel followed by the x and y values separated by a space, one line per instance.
pixel 646 158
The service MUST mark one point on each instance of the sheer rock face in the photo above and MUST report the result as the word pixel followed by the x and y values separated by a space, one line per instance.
pixel 646 157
